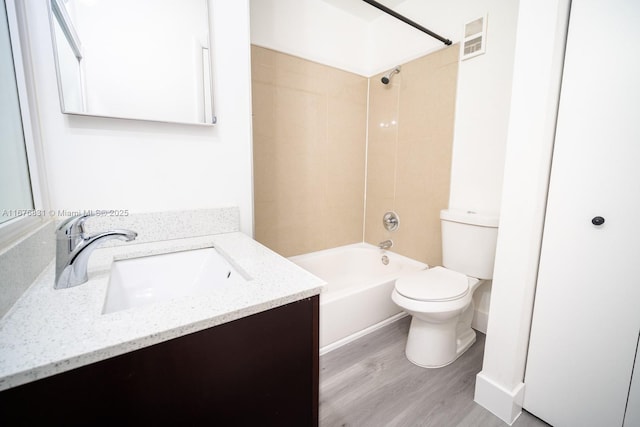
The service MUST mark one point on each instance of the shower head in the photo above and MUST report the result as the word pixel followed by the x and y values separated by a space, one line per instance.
pixel 387 77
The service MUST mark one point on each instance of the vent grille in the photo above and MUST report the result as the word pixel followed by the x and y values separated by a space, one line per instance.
pixel 474 41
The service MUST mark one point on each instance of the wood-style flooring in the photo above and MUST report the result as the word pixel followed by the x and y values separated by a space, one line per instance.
pixel 370 383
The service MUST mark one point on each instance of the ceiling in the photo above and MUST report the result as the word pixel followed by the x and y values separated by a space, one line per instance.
pixel 362 10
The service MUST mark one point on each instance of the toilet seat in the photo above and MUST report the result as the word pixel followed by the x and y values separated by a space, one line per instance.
pixel 434 284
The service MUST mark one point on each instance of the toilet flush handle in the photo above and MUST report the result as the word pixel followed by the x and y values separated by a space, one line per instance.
pixel 597 220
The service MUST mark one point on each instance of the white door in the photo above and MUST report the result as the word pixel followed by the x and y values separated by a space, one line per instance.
pixel 587 307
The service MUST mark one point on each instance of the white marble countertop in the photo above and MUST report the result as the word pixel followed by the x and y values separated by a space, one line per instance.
pixel 51 331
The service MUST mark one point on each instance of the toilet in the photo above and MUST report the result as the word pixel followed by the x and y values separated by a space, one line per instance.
pixel 440 299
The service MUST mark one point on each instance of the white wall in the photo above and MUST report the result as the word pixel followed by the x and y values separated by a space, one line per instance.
pixel 392 42
pixel 311 29
pixel 537 72
pixel 99 163
pixel 482 111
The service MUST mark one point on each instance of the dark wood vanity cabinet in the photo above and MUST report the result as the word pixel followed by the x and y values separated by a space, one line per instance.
pixel 261 370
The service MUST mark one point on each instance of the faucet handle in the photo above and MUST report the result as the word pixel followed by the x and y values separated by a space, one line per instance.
pixel 72 227
pixel 391 221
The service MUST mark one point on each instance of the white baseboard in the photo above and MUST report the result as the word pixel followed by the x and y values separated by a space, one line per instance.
pixel 330 347
pixel 504 404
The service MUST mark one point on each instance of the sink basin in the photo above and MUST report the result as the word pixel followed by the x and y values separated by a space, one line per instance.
pixel 147 280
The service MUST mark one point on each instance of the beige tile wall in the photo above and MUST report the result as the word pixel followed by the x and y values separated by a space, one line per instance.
pixel 309 136
pixel 409 154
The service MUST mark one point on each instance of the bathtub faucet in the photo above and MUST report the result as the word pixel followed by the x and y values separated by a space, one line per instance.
pixel 386 244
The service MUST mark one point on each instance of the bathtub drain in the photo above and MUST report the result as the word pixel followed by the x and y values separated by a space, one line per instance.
pixel 385 259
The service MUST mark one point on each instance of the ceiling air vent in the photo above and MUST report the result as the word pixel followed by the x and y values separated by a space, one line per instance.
pixel 475 37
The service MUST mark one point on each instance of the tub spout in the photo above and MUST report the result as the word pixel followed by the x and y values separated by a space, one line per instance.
pixel 386 244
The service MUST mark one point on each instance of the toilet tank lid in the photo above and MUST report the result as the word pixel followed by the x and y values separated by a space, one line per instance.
pixel 469 217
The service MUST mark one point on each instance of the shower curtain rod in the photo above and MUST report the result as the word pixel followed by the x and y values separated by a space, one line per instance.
pixel 407 21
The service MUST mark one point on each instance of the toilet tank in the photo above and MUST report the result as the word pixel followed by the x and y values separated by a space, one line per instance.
pixel 469 242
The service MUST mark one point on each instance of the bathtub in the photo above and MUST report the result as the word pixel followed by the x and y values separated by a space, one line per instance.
pixel 357 300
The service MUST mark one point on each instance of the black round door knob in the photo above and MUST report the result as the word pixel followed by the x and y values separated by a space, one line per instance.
pixel 597 220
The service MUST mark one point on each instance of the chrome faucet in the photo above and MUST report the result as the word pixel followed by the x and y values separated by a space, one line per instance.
pixel 386 244
pixel 73 249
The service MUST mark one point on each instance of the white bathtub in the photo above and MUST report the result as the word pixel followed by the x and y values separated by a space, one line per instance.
pixel 358 296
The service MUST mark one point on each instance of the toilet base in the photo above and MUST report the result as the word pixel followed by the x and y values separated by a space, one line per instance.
pixel 434 345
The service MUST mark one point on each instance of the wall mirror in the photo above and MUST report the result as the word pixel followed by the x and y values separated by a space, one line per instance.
pixel 134 59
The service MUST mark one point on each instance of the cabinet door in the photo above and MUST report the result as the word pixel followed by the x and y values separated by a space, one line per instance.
pixel 587 309
pixel 260 370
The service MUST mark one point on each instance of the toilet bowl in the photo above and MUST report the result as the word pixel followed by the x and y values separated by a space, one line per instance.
pixel 441 303
pixel 440 299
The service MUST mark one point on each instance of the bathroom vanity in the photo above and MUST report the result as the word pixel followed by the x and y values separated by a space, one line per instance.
pixel 257 370
pixel 243 354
